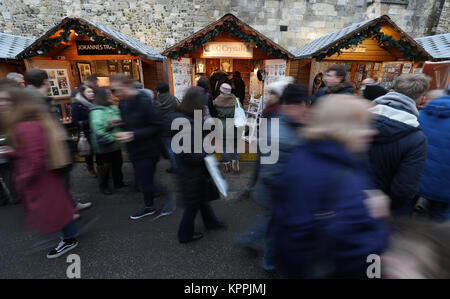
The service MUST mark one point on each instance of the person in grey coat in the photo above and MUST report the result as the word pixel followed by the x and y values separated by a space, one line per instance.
pixel 291 116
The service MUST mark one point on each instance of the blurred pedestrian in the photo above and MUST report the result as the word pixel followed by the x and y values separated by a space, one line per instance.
pixel 398 152
pixel 434 185
pixel 18 78
pixel 38 152
pixel 39 85
pixel 429 96
pixel 367 82
pixel 104 120
pixel 138 85
pixel 79 110
pixel 291 115
pixel 326 218
pixel 318 83
pixel 225 104
pixel 166 104
pixel 210 110
pixel 197 187
pixel 142 126
pixel 336 81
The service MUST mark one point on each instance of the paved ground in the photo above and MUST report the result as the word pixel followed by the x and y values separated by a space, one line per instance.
pixel 117 247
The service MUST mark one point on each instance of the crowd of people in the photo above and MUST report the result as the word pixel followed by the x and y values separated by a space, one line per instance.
pixel 351 167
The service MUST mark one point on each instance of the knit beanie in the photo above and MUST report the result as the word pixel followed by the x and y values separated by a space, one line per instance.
pixel 371 92
pixel 225 88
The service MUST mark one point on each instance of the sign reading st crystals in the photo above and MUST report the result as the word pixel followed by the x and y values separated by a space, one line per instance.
pixel 87 47
pixel 227 49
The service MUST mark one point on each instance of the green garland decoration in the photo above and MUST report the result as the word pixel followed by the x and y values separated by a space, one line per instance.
pixel 402 45
pixel 50 44
pixel 234 31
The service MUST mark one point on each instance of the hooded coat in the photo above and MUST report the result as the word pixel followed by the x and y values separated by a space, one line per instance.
pixel 398 152
pixel 166 104
pixel 435 122
pixel 323 178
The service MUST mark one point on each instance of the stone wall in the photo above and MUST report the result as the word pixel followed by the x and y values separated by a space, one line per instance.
pixel 161 23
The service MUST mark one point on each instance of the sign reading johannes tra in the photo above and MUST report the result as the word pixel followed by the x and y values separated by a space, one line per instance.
pixel 85 47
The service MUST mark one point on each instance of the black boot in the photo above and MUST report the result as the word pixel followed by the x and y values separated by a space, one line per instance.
pixel 103 179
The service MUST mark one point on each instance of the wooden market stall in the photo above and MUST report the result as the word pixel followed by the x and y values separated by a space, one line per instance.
pixel 227 45
pixel 376 48
pixel 220 49
pixel 77 48
pixel 10 46
pixel 439 69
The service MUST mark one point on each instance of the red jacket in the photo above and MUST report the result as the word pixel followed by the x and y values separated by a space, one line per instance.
pixel 47 203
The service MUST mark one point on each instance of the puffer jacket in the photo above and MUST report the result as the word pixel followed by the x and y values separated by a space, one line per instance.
pixel 101 130
pixel 435 122
pixel 225 104
pixel 398 152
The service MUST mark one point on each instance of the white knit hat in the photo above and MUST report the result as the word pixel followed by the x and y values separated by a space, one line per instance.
pixel 279 86
pixel 225 88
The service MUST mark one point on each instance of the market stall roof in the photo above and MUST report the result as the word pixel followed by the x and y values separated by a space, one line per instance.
pixel 213 26
pixel 437 45
pixel 11 45
pixel 323 43
pixel 134 46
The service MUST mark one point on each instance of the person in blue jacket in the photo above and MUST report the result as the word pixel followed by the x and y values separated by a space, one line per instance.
pixel 328 215
pixel 398 152
pixel 435 182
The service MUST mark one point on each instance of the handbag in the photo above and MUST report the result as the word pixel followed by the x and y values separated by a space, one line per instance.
pixel 239 115
pixel 84 148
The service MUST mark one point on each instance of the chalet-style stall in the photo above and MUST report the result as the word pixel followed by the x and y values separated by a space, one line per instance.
pixel 375 48
pixel 77 48
pixel 227 45
pixel 439 69
pixel 10 46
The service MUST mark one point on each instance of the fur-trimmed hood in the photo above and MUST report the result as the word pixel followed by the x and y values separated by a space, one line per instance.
pixel 225 100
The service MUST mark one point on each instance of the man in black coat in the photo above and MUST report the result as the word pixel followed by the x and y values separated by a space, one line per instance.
pixel 398 153
pixel 142 126
pixel 238 87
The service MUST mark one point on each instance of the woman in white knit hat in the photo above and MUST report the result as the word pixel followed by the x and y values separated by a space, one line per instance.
pixel 225 104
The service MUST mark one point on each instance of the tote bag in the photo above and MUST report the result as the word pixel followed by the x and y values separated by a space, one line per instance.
pixel 239 115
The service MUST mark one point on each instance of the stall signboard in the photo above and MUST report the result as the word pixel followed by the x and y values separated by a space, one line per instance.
pixel 59 83
pixel 86 47
pixel 227 49
pixel 181 71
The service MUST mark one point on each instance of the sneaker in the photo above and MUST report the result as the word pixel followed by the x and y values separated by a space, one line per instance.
pixel 63 247
pixel 142 213
pixel 82 206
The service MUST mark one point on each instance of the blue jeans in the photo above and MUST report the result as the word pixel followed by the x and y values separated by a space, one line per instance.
pixel 167 141
pixel 186 229
pixel 261 230
pixel 70 230
pixel 225 155
pixel 438 210
pixel 144 171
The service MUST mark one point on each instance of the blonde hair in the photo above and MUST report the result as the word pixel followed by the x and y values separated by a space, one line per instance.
pixel 412 85
pixel 335 117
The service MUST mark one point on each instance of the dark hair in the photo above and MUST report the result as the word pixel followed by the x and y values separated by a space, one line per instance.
pixel 121 78
pixel 204 83
pixel 82 89
pixel 162 87
pixel 91 78
pixel 237 74
pixel 192 100
pixel 36 77
pixel 101 96
pixel 339 69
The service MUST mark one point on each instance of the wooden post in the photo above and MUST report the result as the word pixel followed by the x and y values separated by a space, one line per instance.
pixel 311 76
pixel 170 74
pixel 141 72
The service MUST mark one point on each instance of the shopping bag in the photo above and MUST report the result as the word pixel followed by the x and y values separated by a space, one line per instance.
pixel 239 115
pixel 213 167
pixel 84 148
